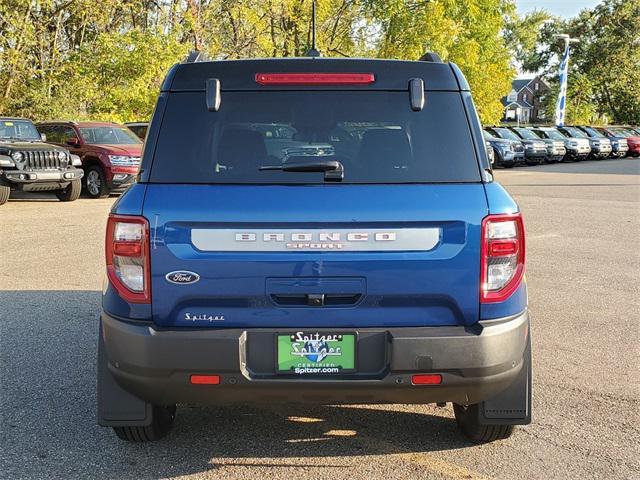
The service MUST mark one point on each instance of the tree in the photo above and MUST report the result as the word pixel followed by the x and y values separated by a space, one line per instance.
pixel 469 33
pixel 104 60
pixel 581 108
pixel 605 63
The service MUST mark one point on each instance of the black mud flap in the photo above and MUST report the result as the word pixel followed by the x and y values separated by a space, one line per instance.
pixel 116 406
pixel 513 405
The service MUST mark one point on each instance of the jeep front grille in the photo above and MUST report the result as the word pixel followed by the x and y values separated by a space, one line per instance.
pixel 41 160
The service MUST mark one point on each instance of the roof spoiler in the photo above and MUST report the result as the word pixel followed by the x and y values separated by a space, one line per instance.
pixel 430 57
pixel 196 56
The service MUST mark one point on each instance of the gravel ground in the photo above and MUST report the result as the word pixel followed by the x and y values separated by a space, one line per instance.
pixel 583 223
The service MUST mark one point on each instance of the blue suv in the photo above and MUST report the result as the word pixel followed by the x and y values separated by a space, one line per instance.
pixel 315 230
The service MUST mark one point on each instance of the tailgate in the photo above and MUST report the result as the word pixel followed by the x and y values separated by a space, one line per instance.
pixel 315 255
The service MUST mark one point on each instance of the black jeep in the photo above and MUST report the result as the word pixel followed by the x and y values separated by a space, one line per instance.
pixel 29 164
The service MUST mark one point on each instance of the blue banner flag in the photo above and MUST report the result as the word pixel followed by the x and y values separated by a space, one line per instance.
pixel 562 96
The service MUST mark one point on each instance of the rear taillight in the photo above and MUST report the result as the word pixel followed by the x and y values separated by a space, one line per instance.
pixel 503 257
pixel 127 251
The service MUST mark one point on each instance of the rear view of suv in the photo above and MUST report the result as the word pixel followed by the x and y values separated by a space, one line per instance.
pixel 110 153
pixel 315 230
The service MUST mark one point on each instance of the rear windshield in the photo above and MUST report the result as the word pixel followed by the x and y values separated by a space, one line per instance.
pixel 375 136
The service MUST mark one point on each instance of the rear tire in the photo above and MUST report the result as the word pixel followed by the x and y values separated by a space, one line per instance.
pixel 467 420
pixel 4 194
pixel 71 193
pixel 95 182
pixel 161 424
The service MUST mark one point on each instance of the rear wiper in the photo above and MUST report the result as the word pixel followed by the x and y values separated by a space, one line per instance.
pixel 333 169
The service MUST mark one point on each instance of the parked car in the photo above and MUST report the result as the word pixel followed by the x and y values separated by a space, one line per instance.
pixel 535 151
pixel 139 128
pixel 555 148
pixel 577 148
pixel 507 153
pixel 110 153
pixel 594 134
pixel 629 134
pixel 619 144
pixel 490 154
pixel 28 164
pixel 600 146
pixel 392 275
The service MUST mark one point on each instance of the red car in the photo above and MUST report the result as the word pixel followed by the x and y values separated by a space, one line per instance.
pixel 633 138
pixel 110 153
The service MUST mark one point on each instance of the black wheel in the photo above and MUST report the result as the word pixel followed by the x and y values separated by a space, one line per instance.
pixel 95 183
pixel 161 424
pixel 4 194
pixel 71 193
pixel 467 420
pixel 507 165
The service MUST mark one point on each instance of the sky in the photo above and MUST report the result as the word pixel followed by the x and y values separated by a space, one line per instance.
pixel 561 8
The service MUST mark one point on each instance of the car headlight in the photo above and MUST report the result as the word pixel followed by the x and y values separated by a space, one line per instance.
pixel 124 160
pixel 17 156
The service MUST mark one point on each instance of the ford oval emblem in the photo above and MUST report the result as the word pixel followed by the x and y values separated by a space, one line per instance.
pixel 182 277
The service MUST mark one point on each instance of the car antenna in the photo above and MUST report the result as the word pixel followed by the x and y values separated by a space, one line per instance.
pixel 313 52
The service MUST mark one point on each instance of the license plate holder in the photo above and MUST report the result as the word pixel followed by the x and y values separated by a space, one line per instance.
pixel 318 353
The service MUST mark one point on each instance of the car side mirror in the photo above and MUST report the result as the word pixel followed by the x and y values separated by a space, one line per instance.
pixel 43 137
pixel 73 141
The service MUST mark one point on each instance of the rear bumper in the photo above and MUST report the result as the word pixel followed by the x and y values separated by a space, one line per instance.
pixel 155 365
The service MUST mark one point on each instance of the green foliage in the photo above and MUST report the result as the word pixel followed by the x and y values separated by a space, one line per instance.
pixel 118 76
pixel 105 60
pixel 467 32
pixel 580 108
pixel 605 64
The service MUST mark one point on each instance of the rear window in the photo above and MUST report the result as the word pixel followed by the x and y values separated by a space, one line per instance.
pixel 375 135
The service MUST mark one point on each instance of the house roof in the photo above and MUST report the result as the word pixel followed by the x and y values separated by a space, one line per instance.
pixel 519 84
pixel 519 103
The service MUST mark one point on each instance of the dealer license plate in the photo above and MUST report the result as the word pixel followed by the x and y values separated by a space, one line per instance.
pixel 315 353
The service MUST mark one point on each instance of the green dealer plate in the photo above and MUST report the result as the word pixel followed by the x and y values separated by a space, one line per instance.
pixel 316 353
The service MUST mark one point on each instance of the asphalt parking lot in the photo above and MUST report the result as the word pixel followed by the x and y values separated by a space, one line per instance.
pixel 583 224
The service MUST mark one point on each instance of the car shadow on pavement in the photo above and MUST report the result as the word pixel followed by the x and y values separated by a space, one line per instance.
pixel 48 342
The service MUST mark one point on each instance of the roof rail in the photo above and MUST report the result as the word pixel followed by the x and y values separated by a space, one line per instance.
pixel 431 57
pixel 196 56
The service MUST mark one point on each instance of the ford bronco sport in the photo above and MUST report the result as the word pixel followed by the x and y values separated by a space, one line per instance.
pixel 29 164
pixel 315 230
